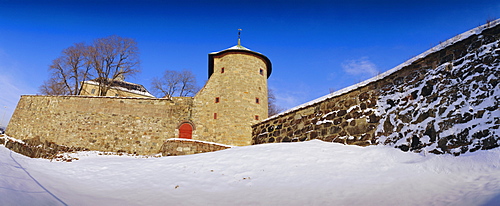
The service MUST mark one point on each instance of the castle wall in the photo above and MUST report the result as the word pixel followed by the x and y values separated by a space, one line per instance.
pixel 237 89
pixel 142 125
pixel 445 102
pixel 176 147
pixel 134 125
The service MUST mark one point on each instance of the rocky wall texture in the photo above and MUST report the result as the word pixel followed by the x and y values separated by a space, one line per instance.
pixel 443 102
pixel 131 125
pixel 175 147
pixel 35 148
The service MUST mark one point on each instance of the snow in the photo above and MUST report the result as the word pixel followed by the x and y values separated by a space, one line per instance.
pixel 483 96
pixel 193 140
pixel 235 47
pixel 304 173
pixel 143 93
pixel 460 37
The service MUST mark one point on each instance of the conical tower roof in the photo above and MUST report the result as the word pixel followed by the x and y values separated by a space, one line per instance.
pixel 240 49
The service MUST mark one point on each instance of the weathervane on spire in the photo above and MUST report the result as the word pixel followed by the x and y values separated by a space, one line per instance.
pixel 239 33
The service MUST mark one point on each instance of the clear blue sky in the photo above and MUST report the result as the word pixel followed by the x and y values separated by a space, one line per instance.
pixel 314 46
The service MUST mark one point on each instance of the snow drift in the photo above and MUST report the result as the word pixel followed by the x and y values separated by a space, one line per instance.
pixel 304 173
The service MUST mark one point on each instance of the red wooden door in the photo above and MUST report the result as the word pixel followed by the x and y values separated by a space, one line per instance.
pixel 185 131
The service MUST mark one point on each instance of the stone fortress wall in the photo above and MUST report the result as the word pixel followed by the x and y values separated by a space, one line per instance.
pixel 233 99
pixel 133 125
pixel 445 101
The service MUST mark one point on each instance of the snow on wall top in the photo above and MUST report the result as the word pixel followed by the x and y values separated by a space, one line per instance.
pixel 200 141
pixel 144 93
pixel 437 48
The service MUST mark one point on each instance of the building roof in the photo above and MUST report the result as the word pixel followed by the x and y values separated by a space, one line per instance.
pixel 125 86
pixel 241 49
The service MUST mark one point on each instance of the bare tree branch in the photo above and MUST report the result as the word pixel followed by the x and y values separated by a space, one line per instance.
pixel 113 57
pixel 187 84
pixel 53 87
pixel 272 108
pixel 174 83
pixel 107 58
pixel 68 71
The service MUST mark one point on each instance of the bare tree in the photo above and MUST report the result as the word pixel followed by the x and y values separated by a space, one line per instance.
pixel 68 72
pixel 107 59
pixel 272 108
pixel 53 87
pixel 113 57
pixel 174 83
pixel 188 85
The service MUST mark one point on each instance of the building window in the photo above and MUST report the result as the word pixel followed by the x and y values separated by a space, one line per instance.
pixel 215 115
pixel 257 100
pixel 222 70
pixel 93 91
pixel 261 71
pixel 256 117
pixel 217 99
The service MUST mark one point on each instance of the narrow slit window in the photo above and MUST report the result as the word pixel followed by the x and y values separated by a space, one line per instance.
pixel 257 100
pixel 215 115
pixel 261 71
pixel 217 99
pixel 256 117
pixel 222 70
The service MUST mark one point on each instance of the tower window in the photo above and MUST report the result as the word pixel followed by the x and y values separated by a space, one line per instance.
pixel 257 100
pixel 222 70
pixel 261 71
pixel 256 117
pixel 215 115
pixel 217 99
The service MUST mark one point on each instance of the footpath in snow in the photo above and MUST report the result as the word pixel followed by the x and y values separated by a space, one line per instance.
pixel 304 173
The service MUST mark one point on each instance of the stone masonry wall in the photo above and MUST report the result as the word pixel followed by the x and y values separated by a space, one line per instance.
pixel 133 125
pixel 175 147
pixel 237 89
pixel 444 102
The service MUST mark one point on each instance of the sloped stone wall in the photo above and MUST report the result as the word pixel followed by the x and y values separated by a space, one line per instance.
pixel 35 148
pixel 110 124
pixel 445 102
pixel 176 147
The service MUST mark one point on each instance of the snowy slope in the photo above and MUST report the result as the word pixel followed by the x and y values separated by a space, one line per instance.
pixel 305 173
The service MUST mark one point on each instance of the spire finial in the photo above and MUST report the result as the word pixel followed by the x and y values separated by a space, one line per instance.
pixel 239 33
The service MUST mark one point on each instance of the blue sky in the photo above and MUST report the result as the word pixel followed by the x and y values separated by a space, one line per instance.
pixel 314 46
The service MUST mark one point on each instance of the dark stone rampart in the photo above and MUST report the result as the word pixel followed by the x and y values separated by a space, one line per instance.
pixel 443 102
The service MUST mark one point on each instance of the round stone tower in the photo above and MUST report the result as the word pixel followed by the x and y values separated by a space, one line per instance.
pixel 234 97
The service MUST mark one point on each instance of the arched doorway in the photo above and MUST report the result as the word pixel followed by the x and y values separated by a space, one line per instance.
pixel 185 131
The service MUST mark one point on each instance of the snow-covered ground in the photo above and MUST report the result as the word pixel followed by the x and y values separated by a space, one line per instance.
pixel 305 173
